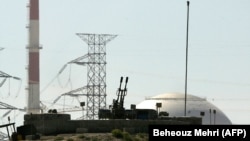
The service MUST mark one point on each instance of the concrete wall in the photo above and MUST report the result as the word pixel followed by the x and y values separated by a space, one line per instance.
pixel 49 124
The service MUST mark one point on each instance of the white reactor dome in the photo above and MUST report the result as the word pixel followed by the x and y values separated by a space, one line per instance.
pixel 174 105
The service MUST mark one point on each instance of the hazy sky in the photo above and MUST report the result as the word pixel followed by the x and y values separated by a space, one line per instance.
pixel 149 49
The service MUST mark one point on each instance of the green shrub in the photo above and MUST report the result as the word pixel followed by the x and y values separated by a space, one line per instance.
pixel 70 139
pixel 117 133
pixel 137 139
pixel 127 137
pixel 141 135
pixel 81 136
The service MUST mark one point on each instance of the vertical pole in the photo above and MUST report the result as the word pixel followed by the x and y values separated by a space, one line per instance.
pixel 214 111
pixel 14 127
pixel 185 108
pixel 8 132
pixel 210 112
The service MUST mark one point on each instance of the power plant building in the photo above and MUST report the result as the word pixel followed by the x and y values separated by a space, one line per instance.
pixel 173 104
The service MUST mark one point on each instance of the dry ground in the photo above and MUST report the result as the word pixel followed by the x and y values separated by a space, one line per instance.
pixel 94 137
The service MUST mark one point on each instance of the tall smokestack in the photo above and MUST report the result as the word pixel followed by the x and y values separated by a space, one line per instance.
pixel 33 102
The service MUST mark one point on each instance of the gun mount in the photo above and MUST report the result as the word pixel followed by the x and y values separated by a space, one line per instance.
pixel 118 111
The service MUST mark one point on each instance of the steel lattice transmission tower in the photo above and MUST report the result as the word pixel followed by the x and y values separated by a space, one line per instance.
pixel 95 59
pixel 96 72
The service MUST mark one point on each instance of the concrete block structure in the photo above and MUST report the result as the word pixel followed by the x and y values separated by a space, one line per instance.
pixel 52 124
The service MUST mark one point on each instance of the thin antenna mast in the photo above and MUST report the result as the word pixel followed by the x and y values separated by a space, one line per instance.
pixel 185 108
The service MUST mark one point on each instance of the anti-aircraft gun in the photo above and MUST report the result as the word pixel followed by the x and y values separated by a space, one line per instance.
pixel 118 111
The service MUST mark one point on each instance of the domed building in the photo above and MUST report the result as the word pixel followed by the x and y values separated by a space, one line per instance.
pixel 173 104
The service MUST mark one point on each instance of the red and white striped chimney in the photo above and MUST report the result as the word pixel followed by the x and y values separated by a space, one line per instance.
pixel 33 103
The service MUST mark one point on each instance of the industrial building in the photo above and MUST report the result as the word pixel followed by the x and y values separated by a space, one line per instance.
pixel 173 104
